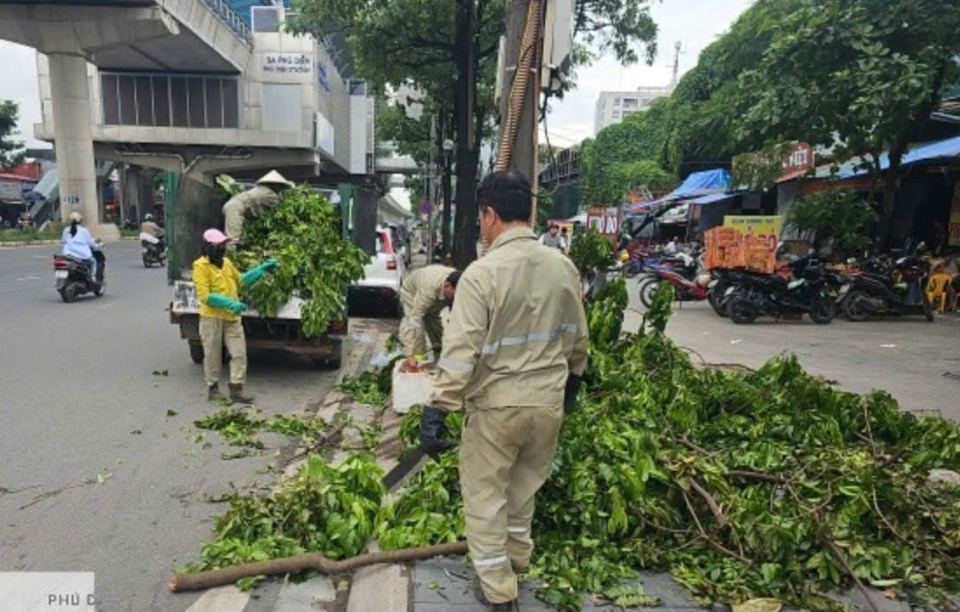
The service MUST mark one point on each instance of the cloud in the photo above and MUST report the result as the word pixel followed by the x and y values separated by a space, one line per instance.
pixel 20 84
pixel 694 23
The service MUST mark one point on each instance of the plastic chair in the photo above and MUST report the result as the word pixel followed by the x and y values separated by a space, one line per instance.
pixel 937 290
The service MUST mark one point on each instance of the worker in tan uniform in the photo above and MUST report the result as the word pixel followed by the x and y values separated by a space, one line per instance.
pixel 513 354
pixel 265 194
pixel 423 296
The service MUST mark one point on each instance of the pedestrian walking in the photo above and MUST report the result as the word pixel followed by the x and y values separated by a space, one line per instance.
pixel 551 238
pixel 218 284
pixel 513 354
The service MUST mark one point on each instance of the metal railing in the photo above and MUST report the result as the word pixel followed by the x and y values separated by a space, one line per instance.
pixel 230 18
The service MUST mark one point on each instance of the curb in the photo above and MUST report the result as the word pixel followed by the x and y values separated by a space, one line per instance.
pixel 322 592
pixel 22 243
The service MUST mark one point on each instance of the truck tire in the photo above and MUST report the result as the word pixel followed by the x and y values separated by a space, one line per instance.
pixel 196 353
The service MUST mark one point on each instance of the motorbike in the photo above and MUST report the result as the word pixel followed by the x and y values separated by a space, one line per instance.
pixel 689 285
pixel 897 292
pixel 808 292
pixel 723 286
pixel 153 253
pixel 73 277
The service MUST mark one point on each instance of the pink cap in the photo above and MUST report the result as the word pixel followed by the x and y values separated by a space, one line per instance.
pixel 215 236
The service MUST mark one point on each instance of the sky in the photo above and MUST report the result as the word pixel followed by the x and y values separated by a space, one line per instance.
pixel 694 23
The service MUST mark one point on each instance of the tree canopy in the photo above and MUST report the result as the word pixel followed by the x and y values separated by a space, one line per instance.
pixel 11 150
pixel 861 76
pixel 415 43
pixel 854 77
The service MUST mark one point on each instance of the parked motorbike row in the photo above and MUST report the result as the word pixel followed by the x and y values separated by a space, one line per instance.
pixel 881 286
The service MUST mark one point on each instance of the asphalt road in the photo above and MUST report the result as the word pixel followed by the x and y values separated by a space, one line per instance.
pixel 78 400
pixel 917 362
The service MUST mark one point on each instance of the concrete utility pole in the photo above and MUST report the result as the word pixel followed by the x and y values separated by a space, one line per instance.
pixel 466 232
pixel 520 90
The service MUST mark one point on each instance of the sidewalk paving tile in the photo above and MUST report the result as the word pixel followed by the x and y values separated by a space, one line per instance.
pixel 445 583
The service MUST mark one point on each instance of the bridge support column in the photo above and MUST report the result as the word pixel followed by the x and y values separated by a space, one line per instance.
pixel 70 98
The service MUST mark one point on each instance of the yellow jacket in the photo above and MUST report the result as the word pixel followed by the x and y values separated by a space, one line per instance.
pixel 516 331
pixel 208 279
pixel 421 297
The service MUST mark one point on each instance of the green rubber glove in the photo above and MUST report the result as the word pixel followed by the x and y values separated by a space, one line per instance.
pixel 218 300
pixel 254 273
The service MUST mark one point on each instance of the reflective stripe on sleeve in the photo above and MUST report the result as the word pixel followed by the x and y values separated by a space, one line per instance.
pixel 546 336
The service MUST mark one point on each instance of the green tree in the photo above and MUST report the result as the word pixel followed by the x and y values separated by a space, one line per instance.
pixel 840 218
pixel 696 127
pixel 862 76
pixel 624 156
pixel 11 151
pixel 414 42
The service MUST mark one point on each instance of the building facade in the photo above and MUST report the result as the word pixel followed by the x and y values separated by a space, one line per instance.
pixel 614 106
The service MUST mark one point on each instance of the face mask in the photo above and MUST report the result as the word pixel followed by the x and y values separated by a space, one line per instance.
pixel 216 255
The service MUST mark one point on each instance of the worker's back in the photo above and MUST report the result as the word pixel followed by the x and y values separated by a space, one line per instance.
pixel 528 296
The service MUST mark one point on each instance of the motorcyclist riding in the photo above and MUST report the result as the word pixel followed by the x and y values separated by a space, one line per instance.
pixel 150 231
pixel 79 244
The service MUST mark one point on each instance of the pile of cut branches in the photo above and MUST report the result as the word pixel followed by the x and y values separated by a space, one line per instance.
pixel 316 263
pixel 741 484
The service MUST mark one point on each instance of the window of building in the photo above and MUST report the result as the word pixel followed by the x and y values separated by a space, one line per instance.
pixel 265 18
pixel 630 103
pixel 164 100
pixel 616 102
pixel 616 114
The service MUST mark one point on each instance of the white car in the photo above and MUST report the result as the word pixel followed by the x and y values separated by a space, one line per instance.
pixel 382 277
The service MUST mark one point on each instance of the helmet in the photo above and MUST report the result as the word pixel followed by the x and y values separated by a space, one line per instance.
pixel 75 216
pixel 215 236
pixel 148 217
pixel 624 255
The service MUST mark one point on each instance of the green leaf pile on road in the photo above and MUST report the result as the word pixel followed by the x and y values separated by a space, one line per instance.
pixel 238 426
pixel 323 508
pixel 316 262
pixel 368 387
pixel 742 484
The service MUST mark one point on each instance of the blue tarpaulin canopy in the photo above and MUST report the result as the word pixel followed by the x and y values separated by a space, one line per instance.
pixel 700 184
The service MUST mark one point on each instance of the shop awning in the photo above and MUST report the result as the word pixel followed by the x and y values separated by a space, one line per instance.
pixel 918 153
pixel 715 197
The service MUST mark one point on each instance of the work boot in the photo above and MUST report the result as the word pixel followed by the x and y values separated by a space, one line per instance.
pixel 213 393
pixel 507 606
pixel 236 394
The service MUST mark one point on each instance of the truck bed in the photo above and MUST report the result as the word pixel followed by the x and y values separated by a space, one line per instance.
pixel 281 332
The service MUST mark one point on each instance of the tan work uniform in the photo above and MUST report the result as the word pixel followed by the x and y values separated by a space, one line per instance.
pixel 236 208
pixel 421 297
pixel 219 327
pixel 516 331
